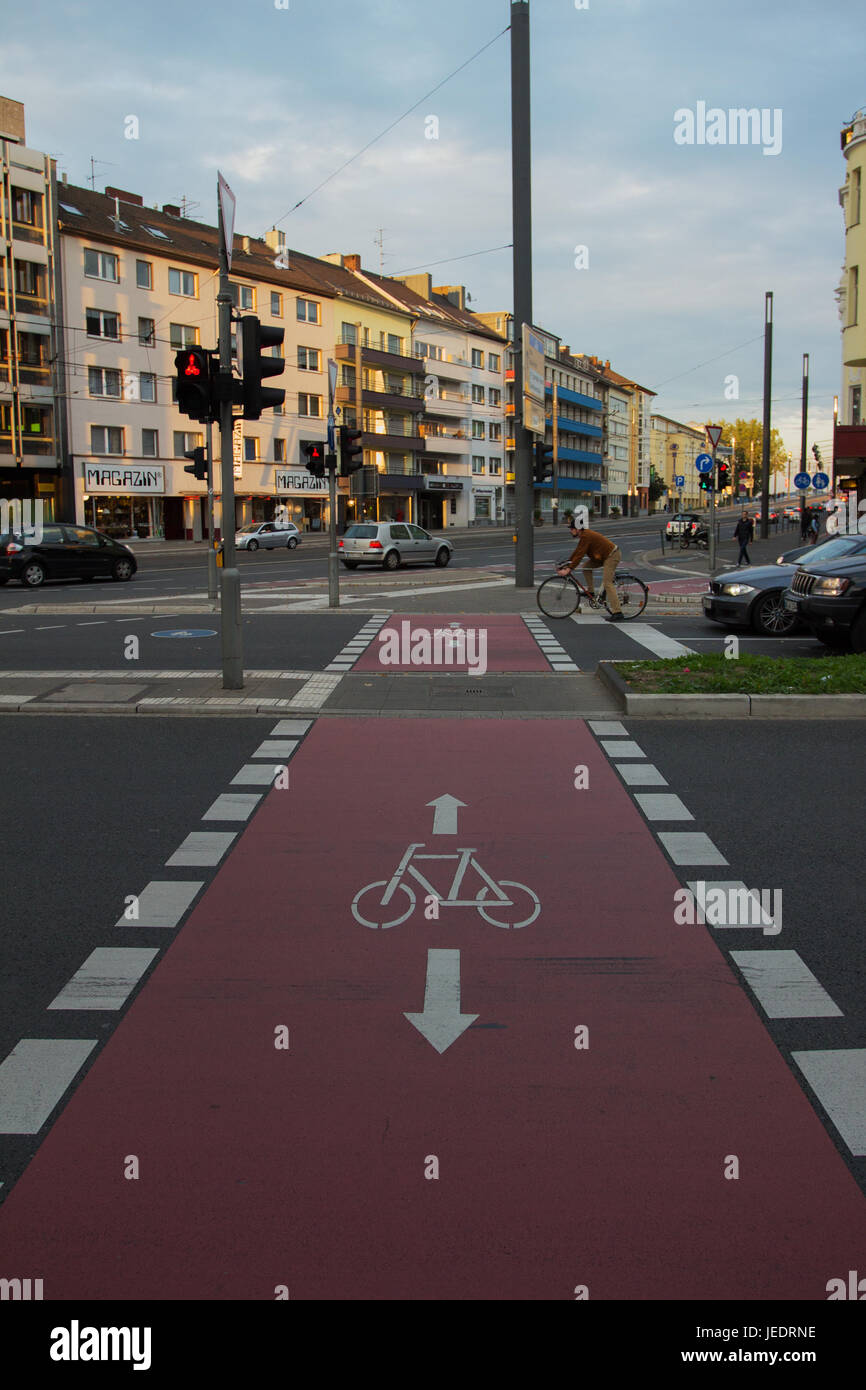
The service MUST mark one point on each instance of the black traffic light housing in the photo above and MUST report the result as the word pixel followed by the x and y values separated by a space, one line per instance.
pixel 351 451
pixel 255 338
pixel 542 462
pixel 198 467
pixel 314 453
pixel 706 482
pixel 817 453
pixel 724 475
pixel 193 367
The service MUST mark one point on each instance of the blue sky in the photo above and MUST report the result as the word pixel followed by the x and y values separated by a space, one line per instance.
pixel 682 240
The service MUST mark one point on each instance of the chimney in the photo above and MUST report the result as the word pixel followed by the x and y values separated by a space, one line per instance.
pixel 352 262
pixel 125 197
pixel 64 178
pixel 172 209
pixel 455 293
pixel 246 244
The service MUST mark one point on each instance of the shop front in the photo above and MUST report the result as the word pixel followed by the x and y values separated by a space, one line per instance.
pixel 398 497
pixel 486 506
pixel 304 498
pixel 438 503
pixel 125 501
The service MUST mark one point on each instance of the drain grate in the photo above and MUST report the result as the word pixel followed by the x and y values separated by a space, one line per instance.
pixel 446 687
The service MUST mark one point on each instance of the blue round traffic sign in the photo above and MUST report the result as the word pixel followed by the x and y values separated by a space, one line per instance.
pixel 802 480
pixel 186 632
pixel 820 480
pixel 704 463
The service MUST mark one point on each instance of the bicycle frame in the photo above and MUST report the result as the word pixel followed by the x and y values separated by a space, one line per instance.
pixel 465 861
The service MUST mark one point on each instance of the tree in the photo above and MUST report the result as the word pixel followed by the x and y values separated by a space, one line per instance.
pixel 656 486
pixel 748 454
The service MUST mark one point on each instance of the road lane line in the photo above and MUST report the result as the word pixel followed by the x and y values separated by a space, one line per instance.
pixel 657 642
pixel 162 903
pixel 838 1078
pixel 784 985
pixel 690 847
pixel 625 748
pixel 233 806
pixel 662 806
pixel 106 979
pixel 34 1077
pixel 640 775
pixel 202 848
pixel 276 748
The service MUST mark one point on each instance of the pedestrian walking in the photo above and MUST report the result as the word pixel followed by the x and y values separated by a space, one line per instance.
pixel 814 528
pixel 744 532
pixel 805 518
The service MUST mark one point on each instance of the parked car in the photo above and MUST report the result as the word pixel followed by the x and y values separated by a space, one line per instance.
pixel 63 552
pixel 829 597
pixel 830 549
pixel 269 535
pixel 755 596
pixel 679 522
pixel 391 544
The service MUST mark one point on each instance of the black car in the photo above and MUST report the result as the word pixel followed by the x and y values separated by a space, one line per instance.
pixel 63 551
pixel 830 598
pixel 755 595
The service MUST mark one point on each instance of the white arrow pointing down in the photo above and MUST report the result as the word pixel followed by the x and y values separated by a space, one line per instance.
pixel 441 1023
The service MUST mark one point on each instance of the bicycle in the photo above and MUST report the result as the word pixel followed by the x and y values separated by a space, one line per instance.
pixel 523 903
pixel 700 539
pixel 559 596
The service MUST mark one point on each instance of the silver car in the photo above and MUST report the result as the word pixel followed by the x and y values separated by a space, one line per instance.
pixel 267 534
pixel 391 544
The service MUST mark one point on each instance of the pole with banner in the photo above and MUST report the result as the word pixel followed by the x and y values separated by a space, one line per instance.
pixel 714 434
pixel 331 461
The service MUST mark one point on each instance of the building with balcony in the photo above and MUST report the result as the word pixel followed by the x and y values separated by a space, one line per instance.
pixel 849 435
pixel 31 450
pixel 629 406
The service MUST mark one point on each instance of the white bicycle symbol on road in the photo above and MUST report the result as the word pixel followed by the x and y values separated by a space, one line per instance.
pixel 521 903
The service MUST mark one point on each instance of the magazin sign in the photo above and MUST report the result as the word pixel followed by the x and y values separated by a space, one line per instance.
pixel 285 481
pixel 124 478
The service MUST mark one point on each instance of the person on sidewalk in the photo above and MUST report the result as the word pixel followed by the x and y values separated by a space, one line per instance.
pixel 596 551
pixel 805 518
pixel 744 532
pixel 814 528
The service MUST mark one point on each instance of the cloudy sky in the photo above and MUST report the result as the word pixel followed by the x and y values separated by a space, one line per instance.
pixel 682 239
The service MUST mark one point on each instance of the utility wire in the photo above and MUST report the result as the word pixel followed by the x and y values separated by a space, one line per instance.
pixel 506 247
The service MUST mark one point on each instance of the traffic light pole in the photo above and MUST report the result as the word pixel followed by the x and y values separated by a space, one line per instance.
pixel 230 592
pixel 521 213
pixel 211 551
pixel 713 517
pixel 333 570
pixel 803 433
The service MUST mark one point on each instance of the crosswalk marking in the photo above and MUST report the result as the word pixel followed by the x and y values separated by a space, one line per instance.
pixel 106 979
pixel 838 1078
pixel 162 903
pixel 34 1077
pixel 203 848
pixel 784 985
pixel 690 847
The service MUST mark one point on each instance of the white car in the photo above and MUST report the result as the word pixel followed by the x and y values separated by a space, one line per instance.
pixel 269 535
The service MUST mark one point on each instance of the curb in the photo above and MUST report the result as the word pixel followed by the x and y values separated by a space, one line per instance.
pixel 736 706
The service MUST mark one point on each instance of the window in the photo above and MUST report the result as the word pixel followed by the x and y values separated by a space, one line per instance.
pixel 147 332
pixel 106 439
pixel 856 393
pixel 308 310
pixel 477 463
pixel 102 325
pixel 144 275
pixel 279 451
pixel 184 443
pixel 251 448
pixel 147 386
pixel 183 282
pixel 854 198
pixel 276 305
pixel 494 396
pixel 103 381
pixel 78 536
pixel 155 231
pixel 243 296
pixel 33 357
pixel 421 350
pixel 477 429
pixel 349 333
pixel 100 265
pixel 495 431
pixel 309 405
pixel 149 444
pixel 477 357
pixel 395 344
pixel 183 335
pixel 309 359
pixel 478 395
pixel 493 361
pixel 496 465
pixel 25 205
pixel 853 292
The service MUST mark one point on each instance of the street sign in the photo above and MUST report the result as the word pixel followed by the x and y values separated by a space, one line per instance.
pixel 679 480
pixel 227 207
pixel 714 434
pixel 704 463
pixel 802 480
pixel 533 365
pixel 820 480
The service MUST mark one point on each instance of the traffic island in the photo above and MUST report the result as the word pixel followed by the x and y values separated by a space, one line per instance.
pixel 715 686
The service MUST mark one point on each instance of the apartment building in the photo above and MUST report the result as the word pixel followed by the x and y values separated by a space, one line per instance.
pixel 849 438
pixel 30 447
pixel 629 407
pixel 674 447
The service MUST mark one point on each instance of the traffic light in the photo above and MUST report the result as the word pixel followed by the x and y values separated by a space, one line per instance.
pixel 351 451
pixel 193 368
pixel 724 475
pixel 315 455
pixel 198 467
pixel 816 451
pixel 543 462
pixel 706 482
pixel 255 337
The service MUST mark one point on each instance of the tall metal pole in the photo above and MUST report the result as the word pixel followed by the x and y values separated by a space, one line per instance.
pixel 232 654
pixel 712 556
pixel 211 552
pixel 803 446
pixel 765 443
pixel 331 461
pixel 521 203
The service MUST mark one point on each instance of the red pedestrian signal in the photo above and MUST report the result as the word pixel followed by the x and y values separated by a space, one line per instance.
pixel 193 380
pixel 314 454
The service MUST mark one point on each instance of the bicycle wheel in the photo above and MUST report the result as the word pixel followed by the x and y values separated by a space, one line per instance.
pixel 493 910
pixel 379 907
pixel 557 597
pixel 632 594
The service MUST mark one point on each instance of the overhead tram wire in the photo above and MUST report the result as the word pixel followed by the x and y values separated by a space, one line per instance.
pixel 383 133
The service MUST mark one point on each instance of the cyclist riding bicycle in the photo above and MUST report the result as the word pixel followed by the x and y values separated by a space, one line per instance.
pixel 596 552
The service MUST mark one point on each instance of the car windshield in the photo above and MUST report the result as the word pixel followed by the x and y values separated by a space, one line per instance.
pixel 839 545
pixel 253 526
pixel 362 532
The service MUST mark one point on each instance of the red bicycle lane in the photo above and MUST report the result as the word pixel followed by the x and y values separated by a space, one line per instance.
pixel 314 1166
pixel 479 643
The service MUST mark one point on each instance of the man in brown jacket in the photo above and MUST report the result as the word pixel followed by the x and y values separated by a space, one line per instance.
pixel 596 551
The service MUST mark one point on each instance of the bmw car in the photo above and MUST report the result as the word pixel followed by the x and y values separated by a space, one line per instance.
pixel 754 596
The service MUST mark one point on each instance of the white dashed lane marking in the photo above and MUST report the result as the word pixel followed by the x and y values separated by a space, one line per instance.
pixel 202 848
pixel 550 648
pixel 233 806
pixel 838 1078
pixel 690 847
pixel 106 979
pixel 640 775
pixel 345 659
pixel 34 1077
pixel 662 806
pixel 784 985
pixel 162 904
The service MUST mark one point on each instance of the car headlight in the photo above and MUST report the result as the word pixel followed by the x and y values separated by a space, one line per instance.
pixel 735 590
pixel 782 561
pixel 832 587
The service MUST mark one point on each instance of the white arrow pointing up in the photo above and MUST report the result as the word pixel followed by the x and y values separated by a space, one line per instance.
pixel 445 815
pixel 441 1023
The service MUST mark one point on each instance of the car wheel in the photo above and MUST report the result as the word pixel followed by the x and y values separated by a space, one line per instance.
pixel 443 555
pixel 391 560
pixel 122 570
pixel 292 543
pixel 33 574
pixel 770 617
pixel 836 641
pixel 350 564
pixel 252 545
pixel 858 632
